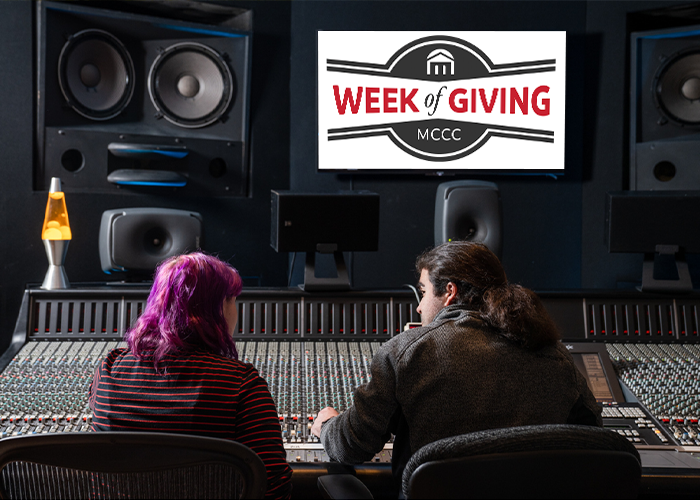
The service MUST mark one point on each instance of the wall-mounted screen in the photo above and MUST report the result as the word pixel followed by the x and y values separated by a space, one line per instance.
pixel 406 101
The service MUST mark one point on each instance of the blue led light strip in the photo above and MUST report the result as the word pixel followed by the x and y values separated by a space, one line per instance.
pixel 172 154
pixel 200 31
pixel 152 183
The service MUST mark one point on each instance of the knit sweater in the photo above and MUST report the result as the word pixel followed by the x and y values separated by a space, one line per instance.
pixel 201 393
pixel 455 376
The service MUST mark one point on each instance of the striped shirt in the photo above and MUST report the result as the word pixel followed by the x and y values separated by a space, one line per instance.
pixel 201 393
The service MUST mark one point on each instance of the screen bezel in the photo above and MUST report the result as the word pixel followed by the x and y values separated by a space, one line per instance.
pixel 458 173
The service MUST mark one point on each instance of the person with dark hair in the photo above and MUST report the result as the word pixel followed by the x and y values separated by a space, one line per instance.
pixel 487 356
pixel 180 372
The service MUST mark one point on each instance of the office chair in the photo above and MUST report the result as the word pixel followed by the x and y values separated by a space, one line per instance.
pixel 128 465
pixel 541 461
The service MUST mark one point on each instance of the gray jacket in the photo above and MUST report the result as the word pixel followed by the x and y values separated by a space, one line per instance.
pixel 453 377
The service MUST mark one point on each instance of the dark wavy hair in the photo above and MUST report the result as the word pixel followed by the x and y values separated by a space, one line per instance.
pixel 514 311
pixel 184 310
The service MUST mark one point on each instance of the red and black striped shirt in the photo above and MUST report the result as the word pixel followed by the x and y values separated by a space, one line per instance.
pixel 201 393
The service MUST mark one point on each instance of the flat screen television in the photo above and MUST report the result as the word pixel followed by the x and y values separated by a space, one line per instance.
pixel 469 102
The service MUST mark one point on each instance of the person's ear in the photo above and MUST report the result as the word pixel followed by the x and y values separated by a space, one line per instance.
pixel 450 294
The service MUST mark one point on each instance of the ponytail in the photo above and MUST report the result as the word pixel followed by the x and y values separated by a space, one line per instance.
pixel 518 315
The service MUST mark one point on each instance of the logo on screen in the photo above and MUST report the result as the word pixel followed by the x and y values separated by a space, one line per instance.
pixel 439 98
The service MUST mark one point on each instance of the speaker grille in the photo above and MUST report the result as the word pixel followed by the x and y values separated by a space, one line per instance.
pixel 190 85
pixel 96 74
pixel 678 87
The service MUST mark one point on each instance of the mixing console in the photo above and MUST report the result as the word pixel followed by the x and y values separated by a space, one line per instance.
pixel 315 349
pixel 666 379
pixel 45 386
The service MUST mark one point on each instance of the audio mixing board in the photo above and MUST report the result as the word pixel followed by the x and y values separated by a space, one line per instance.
pixel 45 386
pixel 45 389
pixel 314 350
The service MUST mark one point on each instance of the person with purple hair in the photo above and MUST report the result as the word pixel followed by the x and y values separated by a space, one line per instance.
pixel 180 372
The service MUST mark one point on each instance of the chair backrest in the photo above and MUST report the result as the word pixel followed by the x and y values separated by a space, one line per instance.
pixel 543 461
pixel 128 465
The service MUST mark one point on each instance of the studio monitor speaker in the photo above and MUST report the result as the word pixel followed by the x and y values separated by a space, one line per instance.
pixel 665 109
pixel 136 239
pixel 471 211
pixel 128 100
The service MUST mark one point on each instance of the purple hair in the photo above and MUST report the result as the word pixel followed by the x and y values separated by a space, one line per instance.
pixel 184 310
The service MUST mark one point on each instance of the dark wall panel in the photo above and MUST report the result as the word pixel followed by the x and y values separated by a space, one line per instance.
pixel 606 136
pixel 236 229
pixel 21 236
pixel 553 228
pixel 542 216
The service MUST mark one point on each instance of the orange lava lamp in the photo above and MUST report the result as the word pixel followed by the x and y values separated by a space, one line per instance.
pixel 56 235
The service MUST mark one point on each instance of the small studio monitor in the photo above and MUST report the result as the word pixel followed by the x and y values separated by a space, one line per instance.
pixel 469 210
pixel 135 102
pixel 135 240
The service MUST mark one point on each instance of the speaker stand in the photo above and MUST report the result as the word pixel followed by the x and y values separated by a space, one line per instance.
pixel 315 284
pixel 651 284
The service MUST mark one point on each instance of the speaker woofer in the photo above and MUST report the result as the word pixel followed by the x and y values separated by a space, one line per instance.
pixel 677 88
pixel 96 74
pixel 190 85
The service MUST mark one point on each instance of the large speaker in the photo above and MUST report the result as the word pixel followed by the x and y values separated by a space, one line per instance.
pixel 138 102
pixel 665 109
pixel 471 211
pixel 135 240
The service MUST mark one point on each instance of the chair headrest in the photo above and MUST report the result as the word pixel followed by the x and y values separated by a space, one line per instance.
pixel 514 439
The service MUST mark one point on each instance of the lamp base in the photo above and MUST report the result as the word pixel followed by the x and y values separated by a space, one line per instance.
pixel 55 279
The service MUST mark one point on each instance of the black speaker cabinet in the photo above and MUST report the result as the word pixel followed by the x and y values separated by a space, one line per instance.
pixel 469 210
pixel 136 239
pixel 129 100
pixel 665 109
pixel 324 222
pixel 639 222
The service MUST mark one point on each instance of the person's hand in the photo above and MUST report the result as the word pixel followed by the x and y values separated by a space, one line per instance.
pixel 325 414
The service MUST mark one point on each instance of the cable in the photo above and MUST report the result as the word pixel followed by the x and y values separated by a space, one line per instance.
pixel 415 291
pixel 291 269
